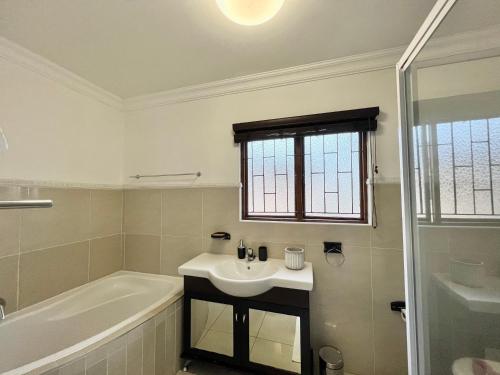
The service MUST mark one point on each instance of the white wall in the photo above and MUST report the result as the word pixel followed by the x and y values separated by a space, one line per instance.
pixel 55 133
pixel 197 135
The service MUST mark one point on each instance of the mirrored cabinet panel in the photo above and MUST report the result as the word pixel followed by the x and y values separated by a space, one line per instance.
pixel 212 327
pixel 274 340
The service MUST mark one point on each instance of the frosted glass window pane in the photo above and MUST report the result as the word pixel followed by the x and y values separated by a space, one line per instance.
pixel 270 203
pixel 269 185
pixel 494 127
pixel 269 147
pixel 264 172
pixel 481 166
pixel 355 141
pixel 356 194
pixel 317 154
pixel 465 199
pixel 495 179
pixel 258 154
pixel 479 130
pixel 258 201
pixel 281 194
pixel 318 193
pixel 291 183
pixel 345 193
pixel 462 143
pixel 443 133
pixel 307 145
pixel 331 202
pixel 344 153
pixel 331 143
pixel 250 186
pixel 331 172
pixel 290 146
pixel 280 155
pixel 307 182
pixel 446 182
pixel 483 202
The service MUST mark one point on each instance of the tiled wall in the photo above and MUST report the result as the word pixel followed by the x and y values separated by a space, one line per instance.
pixel 44 252
pixel 350 304
pixel 150 349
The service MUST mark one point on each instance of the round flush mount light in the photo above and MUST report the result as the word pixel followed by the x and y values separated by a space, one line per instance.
pixel 250 12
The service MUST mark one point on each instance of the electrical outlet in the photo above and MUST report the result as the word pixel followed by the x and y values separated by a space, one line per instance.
pixel 332 247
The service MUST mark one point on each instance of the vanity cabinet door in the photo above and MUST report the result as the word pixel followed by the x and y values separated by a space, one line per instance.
pixel 212 327
pixel 279 339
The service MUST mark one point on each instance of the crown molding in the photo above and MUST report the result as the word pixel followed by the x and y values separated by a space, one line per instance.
pixel 355 64
pixel 443 47
pixel 20 56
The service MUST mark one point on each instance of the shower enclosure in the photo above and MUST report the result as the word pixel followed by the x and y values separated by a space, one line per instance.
pixel 449 91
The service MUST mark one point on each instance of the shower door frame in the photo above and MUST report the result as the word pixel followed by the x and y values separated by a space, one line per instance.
pixel 416 335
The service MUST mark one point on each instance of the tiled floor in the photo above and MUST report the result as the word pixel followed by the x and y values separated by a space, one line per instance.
pixel 203 368
pixel 272 336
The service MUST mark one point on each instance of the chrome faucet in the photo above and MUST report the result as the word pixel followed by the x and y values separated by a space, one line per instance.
pixel 250 254
pixel 2 308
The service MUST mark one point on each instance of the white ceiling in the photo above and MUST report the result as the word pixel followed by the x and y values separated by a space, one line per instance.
pixel 135 47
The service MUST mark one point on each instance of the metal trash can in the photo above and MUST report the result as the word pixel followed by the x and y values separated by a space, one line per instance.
pixel 330 361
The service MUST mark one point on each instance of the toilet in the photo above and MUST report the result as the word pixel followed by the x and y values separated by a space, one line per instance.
pixel 464 366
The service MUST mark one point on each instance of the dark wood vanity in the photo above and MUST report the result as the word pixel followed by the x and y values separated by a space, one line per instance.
pixel 222 328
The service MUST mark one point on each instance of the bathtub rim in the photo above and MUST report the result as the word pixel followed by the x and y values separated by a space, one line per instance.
pixel 71 353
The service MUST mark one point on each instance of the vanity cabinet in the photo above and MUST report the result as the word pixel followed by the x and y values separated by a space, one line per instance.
pixel 267 334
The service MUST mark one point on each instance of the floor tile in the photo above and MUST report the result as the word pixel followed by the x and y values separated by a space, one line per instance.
pixel 217 342
pixel 278 327
pixel 274 354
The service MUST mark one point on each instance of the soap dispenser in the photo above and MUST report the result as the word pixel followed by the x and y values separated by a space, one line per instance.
pixel 241 250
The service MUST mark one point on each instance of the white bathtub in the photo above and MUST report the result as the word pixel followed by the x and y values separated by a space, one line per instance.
pixel 67 326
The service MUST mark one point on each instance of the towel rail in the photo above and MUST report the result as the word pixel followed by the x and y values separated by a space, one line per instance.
pixel 139 176
pixel 26 203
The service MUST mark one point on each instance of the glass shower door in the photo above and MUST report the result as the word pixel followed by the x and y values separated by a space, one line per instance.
pixel 450 91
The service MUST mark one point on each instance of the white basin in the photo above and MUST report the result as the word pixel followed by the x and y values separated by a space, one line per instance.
pixel 246 279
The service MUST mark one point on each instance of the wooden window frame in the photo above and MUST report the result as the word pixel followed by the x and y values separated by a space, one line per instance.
pixel 300 214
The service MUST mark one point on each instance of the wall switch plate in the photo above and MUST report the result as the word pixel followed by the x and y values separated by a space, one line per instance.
pixel 332 247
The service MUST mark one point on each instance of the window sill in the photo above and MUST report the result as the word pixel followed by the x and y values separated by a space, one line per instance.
pixel 334 223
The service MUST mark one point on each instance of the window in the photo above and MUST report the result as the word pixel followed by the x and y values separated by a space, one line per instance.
pixel 457 165
pixel 308 168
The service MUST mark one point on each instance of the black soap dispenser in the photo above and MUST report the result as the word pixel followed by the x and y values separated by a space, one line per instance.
pixel 241 250
pixel 262 253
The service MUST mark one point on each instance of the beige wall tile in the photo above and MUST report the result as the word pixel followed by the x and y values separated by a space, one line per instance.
pixel 106 256
pixel 142 253
pixel 134 352
pixel 48 272
pixel 181 212
pixel 10 220
pixel 389 329
pixel 176 251
pixel 106 212
pixel 170 344
pixel 389 232
pixel 68 221
pixel 142 212
pixel 345 291
pixel 353 337
pixel 8 281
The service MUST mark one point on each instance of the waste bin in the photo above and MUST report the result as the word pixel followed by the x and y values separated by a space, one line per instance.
pixel 330 361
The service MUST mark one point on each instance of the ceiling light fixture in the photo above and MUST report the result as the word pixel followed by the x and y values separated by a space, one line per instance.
pixel 250 12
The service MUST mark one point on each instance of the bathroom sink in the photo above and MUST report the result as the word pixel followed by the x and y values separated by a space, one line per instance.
pixel 240 278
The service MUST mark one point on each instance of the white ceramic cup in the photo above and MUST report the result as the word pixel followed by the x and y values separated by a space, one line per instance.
pixel 294 258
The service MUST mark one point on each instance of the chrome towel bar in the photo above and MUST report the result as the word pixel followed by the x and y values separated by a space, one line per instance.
pixel 139 176
pixel 26 203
